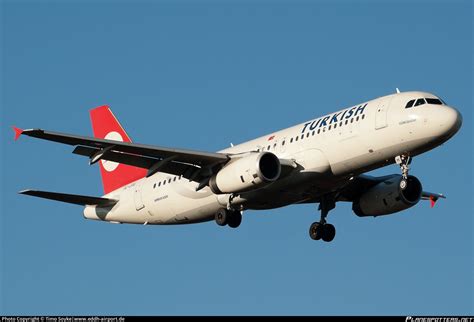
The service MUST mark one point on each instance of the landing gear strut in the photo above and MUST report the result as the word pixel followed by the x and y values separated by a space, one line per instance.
pixel 323 230
pixel 233 218
pixel 403 161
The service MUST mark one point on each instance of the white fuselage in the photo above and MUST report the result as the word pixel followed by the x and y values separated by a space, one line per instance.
pixel 328 150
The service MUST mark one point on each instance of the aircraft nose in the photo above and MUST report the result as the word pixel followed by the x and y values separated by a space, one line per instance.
pixel 451 121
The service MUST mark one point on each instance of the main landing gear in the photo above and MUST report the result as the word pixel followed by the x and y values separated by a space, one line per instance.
pixel 403 161
pixel 323 230
pixel 233 218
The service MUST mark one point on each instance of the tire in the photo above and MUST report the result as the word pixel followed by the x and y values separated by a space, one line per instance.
pixel 235 219
pixel 403 184
pixel 315 231
pixel 222 217
pixel 329 232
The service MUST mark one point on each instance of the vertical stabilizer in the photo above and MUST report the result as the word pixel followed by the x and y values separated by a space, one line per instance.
pixel 106 126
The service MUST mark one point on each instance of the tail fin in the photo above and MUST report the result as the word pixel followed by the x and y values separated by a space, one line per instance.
pixel 106 126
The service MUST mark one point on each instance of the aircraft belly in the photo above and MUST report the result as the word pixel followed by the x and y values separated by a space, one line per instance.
pixel 297 188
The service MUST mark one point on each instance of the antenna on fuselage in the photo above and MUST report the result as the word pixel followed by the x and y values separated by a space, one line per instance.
pixel 398 91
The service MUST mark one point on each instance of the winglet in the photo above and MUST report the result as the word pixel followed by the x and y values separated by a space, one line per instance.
pixel 433 201
pixel 432 197
pixel 18 132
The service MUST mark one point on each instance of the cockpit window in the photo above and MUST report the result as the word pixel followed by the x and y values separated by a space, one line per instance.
pixel 410 104
pixel 420 101
pixel 434 101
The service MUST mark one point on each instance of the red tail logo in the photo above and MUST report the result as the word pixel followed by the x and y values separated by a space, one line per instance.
pixel 114 175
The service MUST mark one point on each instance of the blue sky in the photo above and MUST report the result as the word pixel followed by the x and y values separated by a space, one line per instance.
pixel 201 75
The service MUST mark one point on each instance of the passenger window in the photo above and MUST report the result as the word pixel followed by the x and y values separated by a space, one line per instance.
pixel 174 179
pixel 283 143
pixel 357 119
pixel 329 129
pixel 154 186
pixel 302 136
pixel 296 139
pixel 268 148
pixel 420 101
pixel 363 116
pixel 352 120
pixel 324 129
pixel 291 140
pixel 319 131
pixel 159 184
pixel 307 135
pixel 274 146
pixel 340 124
pixel 434 101
pixel 314 132
pixel 347 122
pixel 410 104
pixel 335 125
pixel 164 182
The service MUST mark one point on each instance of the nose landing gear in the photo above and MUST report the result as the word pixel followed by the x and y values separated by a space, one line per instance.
pixel 403 161
pixel 323 230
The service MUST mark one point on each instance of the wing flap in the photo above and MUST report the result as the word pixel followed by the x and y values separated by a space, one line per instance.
pixel 69 198
pixel 125 158
pixel 151 164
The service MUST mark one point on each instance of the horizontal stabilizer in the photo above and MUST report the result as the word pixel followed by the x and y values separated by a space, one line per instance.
pixel 75 199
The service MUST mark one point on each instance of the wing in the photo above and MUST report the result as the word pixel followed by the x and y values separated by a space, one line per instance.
pixel 432 197
pixel 181 155
pixel 191 164
pixel 354 188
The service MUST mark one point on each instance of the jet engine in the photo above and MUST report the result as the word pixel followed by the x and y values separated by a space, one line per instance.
pixel 246 173
pixel 387 197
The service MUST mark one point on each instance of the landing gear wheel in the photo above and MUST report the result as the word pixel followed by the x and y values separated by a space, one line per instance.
pixel 222 217
pixel 322 230
pixel 329 232
pixel 235 219
pixel 315 231
pixel 403 184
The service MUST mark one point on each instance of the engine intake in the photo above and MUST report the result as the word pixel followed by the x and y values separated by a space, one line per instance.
pixel 388 197
pixel 246 173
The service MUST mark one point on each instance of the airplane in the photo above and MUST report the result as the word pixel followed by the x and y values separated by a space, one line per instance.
pixel 321 161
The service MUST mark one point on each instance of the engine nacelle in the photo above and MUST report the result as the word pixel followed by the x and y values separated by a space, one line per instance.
pixel 388 197
pixel 246 173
